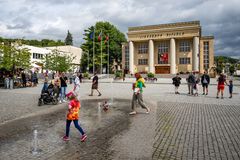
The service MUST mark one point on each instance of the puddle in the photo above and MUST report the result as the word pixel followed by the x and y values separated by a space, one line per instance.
pixel 40 136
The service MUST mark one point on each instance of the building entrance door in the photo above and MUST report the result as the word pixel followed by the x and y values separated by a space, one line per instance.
pixel 162 69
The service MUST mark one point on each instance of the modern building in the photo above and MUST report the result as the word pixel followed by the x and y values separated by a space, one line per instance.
pixel 37 54
pixel 168 49
pixel 72 51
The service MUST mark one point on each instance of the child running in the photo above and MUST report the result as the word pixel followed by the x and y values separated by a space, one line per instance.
pixel 73 111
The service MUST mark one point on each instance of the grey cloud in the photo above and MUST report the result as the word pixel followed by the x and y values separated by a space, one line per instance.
pixel 52 18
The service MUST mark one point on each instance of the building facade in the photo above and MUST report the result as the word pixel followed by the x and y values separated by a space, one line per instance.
pixel 168 49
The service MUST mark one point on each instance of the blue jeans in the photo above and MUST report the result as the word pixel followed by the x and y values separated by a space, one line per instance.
pixel 63 92
pixel 68 123
pixel 45 87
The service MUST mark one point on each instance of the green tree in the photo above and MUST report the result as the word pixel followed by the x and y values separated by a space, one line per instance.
pixel 69 39
pixel 115 45
pixel 232 69
pixel 57 61
pixel 14 57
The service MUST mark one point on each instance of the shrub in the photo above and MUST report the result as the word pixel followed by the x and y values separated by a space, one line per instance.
pixel 150 75
pixel 118 74
pixel 86 75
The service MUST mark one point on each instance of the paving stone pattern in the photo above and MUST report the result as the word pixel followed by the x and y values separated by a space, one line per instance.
pixel 197 131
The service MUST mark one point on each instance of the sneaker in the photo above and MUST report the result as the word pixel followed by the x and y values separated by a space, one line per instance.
pixel 148 110
pixel 204 94
pixel 65 138
pixel 83 138
pixel 133 113
pixel 100 94
pixel 217 97
pixel 64 101
pixel 60 102
pixel 90 95
pixel 230 97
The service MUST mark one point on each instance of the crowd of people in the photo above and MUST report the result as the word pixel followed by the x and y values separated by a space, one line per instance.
pixel 18 79
pixel 194 81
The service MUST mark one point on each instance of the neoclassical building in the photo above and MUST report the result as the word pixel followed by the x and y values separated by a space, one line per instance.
pixel 168 49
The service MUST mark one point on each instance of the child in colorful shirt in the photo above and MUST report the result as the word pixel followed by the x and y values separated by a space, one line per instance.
pixel 73 111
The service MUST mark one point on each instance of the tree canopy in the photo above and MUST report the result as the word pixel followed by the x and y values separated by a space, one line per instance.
pixel 58 61
pixel 109 32
pixel 69 39
pixel 13 57
pixel 37 43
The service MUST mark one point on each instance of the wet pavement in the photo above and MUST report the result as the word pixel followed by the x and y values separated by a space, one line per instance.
pixel 178 127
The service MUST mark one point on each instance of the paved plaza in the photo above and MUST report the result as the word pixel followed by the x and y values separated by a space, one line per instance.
pixel 178 126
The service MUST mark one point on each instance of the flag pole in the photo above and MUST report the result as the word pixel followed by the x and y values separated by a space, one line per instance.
pixel 108 56
pixel 93 49
pixel 101 52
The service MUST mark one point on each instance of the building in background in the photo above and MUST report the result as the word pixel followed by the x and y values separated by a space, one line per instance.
pixel 168 49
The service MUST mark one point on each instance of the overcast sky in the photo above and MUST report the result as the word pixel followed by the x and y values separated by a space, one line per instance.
pixel 38 19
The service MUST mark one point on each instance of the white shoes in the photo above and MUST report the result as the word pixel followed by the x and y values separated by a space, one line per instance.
pixel 133 113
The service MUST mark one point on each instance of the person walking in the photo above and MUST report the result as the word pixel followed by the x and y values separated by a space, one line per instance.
pixel 191 81
pixel 220 87
pixel 63 80
pixel 205 80
pixel 77 85
pixel 73 115
pixel 137 94
pixel 176 82
pixel 95 85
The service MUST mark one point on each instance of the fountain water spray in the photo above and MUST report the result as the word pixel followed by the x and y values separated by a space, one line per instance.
pixel 34 149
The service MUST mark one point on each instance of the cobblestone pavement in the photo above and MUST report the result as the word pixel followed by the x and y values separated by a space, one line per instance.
pixel 197 131
pixel 178 127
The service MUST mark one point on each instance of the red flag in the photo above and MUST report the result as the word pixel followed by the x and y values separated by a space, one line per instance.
pixel 164 57
pixel 100 36
pixel 107 38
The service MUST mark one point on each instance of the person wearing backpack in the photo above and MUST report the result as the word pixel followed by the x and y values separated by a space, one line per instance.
pixel 205 80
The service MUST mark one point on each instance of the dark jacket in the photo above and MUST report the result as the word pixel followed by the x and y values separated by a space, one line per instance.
pixel 191 78
pixel 206 77
pixel 176 81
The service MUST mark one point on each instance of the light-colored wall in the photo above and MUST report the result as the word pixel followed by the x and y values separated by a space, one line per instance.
pixel 140 68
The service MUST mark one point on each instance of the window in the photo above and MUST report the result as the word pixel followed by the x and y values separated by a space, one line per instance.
pixel 37 56
pixel 126 57
pixel 206 55
pixel 163 53
pixel 142 61
pixel 184 46
pixel 184 60
pixel 142 49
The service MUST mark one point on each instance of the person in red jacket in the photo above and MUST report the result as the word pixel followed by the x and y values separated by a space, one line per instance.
pixel 73 115
pixel 220 87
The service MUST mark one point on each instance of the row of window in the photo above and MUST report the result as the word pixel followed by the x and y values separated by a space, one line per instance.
pixel 184 60
pixel 206 55
pixel 184 46
pixel 37 56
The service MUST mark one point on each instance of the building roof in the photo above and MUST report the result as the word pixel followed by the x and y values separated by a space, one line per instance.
pixel 168 25
pixel 34 49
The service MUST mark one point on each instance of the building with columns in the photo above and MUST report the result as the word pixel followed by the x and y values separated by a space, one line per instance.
pixel 168 49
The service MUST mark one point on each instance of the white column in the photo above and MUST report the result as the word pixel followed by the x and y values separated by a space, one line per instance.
pixel 131 57
pixel 195 56
pixel 151 56
pixel 172 56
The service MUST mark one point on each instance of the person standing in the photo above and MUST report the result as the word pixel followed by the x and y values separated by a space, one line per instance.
pixel 176 82
pixel 80 77
pixel 205 80
pixel 24 81
pixel 230 86
pixel 137 94
pixel 45 84
pixel 220 87
pixel 63 80
pixel 191 82
pixel 95 85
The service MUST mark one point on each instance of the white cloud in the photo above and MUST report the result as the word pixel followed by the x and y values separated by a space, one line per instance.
pixel 52 18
